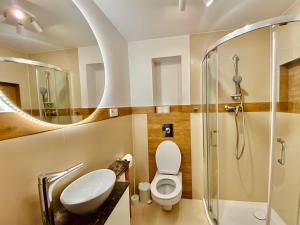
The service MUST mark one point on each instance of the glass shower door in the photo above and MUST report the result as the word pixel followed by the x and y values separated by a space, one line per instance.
pixel 210 132
pixel 63 103
pixel 285 187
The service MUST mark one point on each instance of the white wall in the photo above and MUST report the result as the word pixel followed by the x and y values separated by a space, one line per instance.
pixel 141 54
pixel 87 56
pixel 167 78
pixel 114 51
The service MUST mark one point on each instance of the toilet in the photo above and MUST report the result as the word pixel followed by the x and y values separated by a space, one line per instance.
pixel 166 187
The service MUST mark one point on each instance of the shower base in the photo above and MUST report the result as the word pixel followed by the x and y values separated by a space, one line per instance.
pixel 242 213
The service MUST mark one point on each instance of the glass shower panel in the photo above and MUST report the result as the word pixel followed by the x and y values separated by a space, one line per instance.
pixel 243 128
pixel 63 103
pixel 210 102
pixel 286 153
pixel 204 119
pixel 54 100
pixel 46 88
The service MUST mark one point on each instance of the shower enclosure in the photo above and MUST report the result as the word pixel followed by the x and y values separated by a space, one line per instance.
pixel 44 89
pixel 53 95
pixel 251 107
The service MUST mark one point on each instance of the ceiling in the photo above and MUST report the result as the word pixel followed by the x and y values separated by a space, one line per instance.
pixel 145 19
pixel 63 24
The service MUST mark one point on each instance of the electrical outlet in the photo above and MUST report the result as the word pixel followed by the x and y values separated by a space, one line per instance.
pixel 113 112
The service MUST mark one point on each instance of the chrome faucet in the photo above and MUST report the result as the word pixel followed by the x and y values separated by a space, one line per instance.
pixel 46 184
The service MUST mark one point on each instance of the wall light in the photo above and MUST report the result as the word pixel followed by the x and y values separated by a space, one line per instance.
pixel 21 18
pixel 18 14
pixel 208 2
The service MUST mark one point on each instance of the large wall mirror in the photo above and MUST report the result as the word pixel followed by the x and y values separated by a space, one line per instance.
pixel 50 64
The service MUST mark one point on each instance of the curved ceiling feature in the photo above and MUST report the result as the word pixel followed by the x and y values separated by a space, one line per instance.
pixel 145 19
pixel 63 27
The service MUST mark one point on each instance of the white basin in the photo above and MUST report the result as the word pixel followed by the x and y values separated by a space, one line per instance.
pixel 87 193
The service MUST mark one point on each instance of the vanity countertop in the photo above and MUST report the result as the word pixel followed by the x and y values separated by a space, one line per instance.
pixel 63 217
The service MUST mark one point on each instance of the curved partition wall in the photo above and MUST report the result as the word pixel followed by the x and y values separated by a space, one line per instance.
pixel 251 98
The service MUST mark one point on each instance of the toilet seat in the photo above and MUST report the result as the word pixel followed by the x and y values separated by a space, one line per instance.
pixel 160 178
pixel 166 187
pixel 168 158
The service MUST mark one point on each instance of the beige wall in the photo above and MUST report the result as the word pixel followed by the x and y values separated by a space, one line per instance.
pixel 294 9
pixel 246 179
pixel 254 50
pixel 197 155
pixel 286 179
pixel 16 73
pixel 199 43
pixel 23 159
pixel 140 148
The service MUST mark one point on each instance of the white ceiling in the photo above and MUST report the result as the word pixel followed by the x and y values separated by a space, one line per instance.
pixel 145 19
pixel 63 24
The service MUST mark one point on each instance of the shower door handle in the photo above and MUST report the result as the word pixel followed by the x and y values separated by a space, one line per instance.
pixel 213 142
pixel 281 161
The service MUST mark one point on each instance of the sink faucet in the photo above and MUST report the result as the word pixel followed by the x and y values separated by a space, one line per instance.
pixel 46 184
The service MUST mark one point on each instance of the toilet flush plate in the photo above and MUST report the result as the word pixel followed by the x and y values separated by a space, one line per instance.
pixel 167 130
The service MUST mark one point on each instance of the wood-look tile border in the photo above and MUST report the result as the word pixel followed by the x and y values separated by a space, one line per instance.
pixel 12 125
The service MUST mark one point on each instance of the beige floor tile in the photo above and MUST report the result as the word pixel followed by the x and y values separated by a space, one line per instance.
pixel 187 212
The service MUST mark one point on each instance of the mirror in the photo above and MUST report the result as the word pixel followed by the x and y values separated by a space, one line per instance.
pixel 50 64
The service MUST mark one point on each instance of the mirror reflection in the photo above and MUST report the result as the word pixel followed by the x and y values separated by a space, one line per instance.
pixel 50 64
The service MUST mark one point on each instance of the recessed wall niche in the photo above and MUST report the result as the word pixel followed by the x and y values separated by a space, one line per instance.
pixel 167 80
pixel 289 91
pixel 95 83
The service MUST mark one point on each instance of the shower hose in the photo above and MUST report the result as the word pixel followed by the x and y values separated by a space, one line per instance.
pixel 239 150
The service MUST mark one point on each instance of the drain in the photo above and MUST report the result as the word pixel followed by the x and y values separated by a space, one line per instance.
pixel 260 215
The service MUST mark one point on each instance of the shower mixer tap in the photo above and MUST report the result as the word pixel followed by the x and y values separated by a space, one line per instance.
pixel 233 108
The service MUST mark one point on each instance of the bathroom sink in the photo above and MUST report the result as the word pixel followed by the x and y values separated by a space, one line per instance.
pixel 87 193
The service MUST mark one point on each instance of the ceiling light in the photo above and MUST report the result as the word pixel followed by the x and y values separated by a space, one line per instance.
pixel 21 18
pixel 19 14
pixel 182 4
pixel 3 17
pixel 208 2
pixel 19 28
pixel 36 26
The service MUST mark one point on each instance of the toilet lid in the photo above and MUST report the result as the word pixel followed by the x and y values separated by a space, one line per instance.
pixel 168 158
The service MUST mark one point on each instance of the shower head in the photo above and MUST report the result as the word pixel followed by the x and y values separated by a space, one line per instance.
pixel 237 79
pixel 43 90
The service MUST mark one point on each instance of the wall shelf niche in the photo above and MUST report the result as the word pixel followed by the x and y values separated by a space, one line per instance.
pixel 289 89
pixel 167 81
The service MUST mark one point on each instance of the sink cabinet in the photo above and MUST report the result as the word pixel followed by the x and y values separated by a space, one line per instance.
pixel 121 213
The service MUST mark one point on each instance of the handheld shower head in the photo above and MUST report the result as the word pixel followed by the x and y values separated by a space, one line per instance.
pixel 237 79
pixel 43 90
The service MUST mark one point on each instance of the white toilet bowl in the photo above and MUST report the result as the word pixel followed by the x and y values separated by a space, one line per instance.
pixel 166 187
